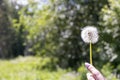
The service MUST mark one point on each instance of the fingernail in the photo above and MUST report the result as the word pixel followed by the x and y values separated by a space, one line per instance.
pixel 87 64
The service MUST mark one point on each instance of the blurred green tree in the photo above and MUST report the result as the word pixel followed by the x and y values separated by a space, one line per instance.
pixel 111 31
pixel 7 34
pixel 36 22
pixel 73 15
pixel 54 29
pixel 11 42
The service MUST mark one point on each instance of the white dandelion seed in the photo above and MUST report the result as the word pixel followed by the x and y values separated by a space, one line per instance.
pixel 89 34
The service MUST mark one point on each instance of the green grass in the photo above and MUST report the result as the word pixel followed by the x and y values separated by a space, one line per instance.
pixel 31 68
pixel 39 68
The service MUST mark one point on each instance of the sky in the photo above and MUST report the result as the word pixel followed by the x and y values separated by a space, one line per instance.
pixel 25 2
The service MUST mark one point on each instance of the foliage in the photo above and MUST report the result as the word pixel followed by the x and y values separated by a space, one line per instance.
pixel 6 31
pixel 72 16
pixel 54 30
pixel 107 70
pixel 110 25
pixel 37 27
pixel 82 71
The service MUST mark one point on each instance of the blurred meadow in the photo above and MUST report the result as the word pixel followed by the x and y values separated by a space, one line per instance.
pixel 41 39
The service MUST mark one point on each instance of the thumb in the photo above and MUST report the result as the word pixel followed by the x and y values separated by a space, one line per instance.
pixel 96 74
pixel 90 76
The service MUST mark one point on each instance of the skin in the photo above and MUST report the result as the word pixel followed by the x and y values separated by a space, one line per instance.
pixel 94 73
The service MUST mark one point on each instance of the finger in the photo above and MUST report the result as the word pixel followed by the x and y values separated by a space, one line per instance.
pixel 96 74
pixel 90 76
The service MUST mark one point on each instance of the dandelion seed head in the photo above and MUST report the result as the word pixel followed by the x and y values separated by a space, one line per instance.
pixel 89 34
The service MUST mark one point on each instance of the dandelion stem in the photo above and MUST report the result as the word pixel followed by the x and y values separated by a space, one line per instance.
pixel 91 53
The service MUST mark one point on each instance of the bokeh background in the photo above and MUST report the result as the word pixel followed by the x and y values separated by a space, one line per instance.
pixel 41 39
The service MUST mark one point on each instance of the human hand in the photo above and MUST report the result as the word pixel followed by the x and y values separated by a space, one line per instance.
pixel 94 73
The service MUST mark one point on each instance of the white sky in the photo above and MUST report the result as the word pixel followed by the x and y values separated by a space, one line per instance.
pixel 25 2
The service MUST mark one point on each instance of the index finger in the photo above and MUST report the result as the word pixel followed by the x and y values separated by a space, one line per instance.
pixel 97 75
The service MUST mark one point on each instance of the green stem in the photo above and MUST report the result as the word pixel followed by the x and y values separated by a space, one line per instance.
pixel 91 53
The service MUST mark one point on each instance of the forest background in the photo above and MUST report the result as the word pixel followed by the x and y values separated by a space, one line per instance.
pixel 41 39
